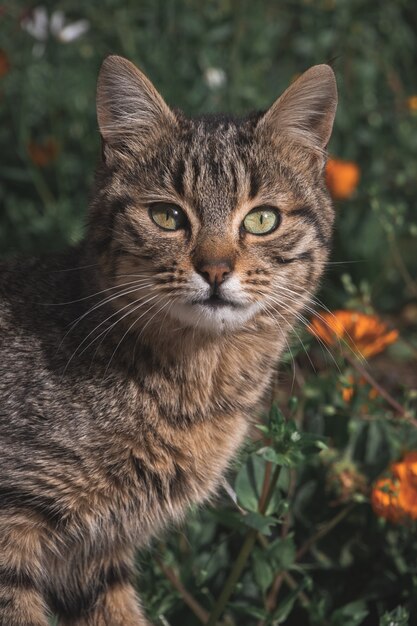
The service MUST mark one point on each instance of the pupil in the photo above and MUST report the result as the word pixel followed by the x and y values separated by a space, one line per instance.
pixel 261 219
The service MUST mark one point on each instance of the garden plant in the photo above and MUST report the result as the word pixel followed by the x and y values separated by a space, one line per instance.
pixel 317 522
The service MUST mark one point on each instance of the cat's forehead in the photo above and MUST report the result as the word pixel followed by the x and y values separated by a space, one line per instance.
pixel 217 163
pixel 219 137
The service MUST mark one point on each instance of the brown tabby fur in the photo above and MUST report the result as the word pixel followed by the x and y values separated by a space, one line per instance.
pixel 120 405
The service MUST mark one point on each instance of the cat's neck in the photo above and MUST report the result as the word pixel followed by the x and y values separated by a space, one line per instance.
pixel 194 376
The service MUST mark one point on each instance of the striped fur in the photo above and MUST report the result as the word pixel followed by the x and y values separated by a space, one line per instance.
pixel 120 406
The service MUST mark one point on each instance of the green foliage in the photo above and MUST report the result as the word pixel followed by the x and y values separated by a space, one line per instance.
pixel 397 617
pixel 299 524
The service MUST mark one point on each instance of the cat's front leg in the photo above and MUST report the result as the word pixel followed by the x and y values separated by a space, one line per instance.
pixel 118 606
pixel 21 604
pixel 21 600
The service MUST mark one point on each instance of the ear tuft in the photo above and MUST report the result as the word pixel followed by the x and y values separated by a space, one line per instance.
pixel 305 112
pixel 128 105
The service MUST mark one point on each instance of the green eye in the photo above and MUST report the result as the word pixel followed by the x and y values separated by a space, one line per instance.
pixel 262 220
pixel 168 216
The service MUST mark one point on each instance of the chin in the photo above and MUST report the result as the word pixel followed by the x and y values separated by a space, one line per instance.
pixel 216 319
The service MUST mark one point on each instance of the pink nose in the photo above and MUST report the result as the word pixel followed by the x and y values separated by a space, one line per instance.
pixel 214 272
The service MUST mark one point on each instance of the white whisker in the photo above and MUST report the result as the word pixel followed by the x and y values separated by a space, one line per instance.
pixel 340 340
pixel 97 293
pixel 304 321
pixel 130 328
pixel 139 285
pixel 284 337
pixel 106 330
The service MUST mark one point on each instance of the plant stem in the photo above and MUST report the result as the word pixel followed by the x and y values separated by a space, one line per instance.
pixel 264 505
pixel 276 585
pixel 326 528
pixel 383 392
pixel 243 555
pixel 401 266
pixel 189 600
pixel 292 584
pixel 234 576
pixel 266 483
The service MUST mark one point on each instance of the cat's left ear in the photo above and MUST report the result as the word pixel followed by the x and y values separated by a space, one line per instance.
pixel 305 112
pixel 128 105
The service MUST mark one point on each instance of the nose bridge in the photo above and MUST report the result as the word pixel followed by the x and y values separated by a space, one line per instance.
pixel 214 257
pixel 213 248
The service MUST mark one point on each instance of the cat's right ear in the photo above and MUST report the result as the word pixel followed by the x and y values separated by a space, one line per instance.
pixel 305 112
pixel 129 108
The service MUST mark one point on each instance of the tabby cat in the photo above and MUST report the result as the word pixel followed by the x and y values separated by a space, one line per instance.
pixel 132 364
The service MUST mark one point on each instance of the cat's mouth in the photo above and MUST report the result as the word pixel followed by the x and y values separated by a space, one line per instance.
pixel 213 313
pixel 216 302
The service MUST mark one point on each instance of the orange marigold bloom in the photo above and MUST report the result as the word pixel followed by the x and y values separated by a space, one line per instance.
pixel 412 103
pixel 348 391
pixel 385 500
pixel 395 498
pixel 406 469
pixel 342 178
pixel 408 499
pixel 41 154
pixel 365 334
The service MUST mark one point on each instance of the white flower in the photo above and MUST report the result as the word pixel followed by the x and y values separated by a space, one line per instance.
pixel 72 31
pixel 215 77
pixel 36 24
pixel 39 26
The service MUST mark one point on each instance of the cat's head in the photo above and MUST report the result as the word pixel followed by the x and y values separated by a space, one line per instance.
pixel 211 220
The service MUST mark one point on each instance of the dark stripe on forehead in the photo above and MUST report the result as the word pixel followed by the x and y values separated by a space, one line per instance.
pixel 254 182
pixel 215 169
pixel 196 168
pixel 178 177
pixel 293 177
pixel 307 216
pixel 233 177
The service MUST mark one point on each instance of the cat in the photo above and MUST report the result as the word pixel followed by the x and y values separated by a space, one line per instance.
pixel 132 364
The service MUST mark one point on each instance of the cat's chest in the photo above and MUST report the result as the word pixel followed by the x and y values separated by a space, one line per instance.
pixel 178 433
pixel 218 379
pixel 174 468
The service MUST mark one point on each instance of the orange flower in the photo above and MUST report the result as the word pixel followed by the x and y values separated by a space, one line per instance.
pixel 385 500
pixel 406 469
pixel 365 334
pixel 348 391
pixel 412 103
pixel 342 178
pixel 395 497
pixel 408 500
pixel 41 154
pixel 4 63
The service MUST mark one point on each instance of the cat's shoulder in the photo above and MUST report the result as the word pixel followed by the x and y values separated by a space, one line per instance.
pixel 29 285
